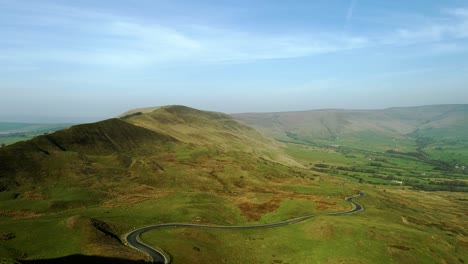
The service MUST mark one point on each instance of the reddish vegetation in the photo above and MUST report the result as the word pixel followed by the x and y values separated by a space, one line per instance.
pixel 170 157
pixel 254 212
pixel 33 195
pixel 20 214
pixel 134 195
pixel 321 205
pixel 462 242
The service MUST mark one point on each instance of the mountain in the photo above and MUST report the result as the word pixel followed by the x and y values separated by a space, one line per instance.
pixel 332 123
pixel 404 129
pixel 140 146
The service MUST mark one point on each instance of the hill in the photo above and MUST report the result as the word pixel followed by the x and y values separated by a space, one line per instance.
pixel 407 129
pixel 138 111
pixel 165 156
pixel 68 153
pixel 333 123
pixel 204 128
pixel 137 145
pixel 73 194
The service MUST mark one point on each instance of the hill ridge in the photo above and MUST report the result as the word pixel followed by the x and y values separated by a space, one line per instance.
pixel 329 123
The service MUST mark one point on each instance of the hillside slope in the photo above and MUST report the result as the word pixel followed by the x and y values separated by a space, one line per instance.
pixel 69 153
pixel 209 129
pixel 74 178
pixel 170 147
pixel 199 127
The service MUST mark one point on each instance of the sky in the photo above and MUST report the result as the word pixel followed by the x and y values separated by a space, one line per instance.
pixel 86 60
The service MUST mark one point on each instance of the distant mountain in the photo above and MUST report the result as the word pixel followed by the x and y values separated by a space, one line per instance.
pixel 329 124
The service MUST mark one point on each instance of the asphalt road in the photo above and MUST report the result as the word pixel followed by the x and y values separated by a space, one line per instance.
pixel 159 257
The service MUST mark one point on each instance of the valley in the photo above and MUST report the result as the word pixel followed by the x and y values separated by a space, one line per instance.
pixel 421 147
pixel 74 194
pixel 14 132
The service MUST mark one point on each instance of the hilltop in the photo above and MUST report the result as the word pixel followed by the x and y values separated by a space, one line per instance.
pixel 205 128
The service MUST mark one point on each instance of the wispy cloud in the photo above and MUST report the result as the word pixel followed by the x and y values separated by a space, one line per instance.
pixel 58 33
pixel 80 36
pixel 453 26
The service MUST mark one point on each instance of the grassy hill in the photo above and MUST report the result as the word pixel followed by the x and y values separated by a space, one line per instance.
pixel 118 168
pixel 76 192
pixel 208 129
pixel 333 123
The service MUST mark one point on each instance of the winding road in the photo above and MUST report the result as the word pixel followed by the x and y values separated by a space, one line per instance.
pixel 157 256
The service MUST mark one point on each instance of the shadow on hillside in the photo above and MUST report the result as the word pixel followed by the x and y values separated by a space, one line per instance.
pixel 83 259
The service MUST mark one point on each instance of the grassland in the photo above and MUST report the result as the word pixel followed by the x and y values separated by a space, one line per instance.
pixel 68 230
pixel 412 164
pixel 396 227
pixel 79 190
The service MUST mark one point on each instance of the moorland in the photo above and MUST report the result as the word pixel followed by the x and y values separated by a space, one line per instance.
pixel 73 194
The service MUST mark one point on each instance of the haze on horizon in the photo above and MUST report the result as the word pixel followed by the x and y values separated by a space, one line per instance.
pixel 68 60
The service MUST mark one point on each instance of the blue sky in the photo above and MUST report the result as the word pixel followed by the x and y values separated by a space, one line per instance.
pixel 88 60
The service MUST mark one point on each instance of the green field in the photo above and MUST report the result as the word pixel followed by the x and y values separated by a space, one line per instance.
pixel 401 237
pixel 420 162
pixel 390 225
